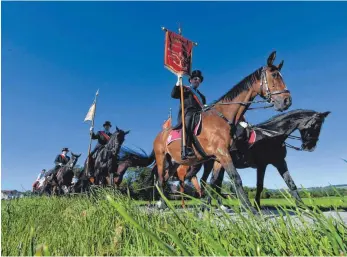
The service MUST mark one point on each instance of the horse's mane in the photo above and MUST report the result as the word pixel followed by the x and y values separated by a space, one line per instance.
pixel 126 153
pixel 243 85
pixel 294 114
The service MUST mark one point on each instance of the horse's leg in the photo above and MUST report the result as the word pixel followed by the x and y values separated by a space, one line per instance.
pixel 216 183
pixel 283 170
pixel 236 182
pixel 207 171
pixel 196 185
pixel 260 183
pixel 181 174
pixel 218 187
pixel 160 159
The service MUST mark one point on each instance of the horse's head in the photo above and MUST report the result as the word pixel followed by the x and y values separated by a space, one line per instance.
pixel 310 129
pixel 272 86
pixel 73 160
pixel 116 141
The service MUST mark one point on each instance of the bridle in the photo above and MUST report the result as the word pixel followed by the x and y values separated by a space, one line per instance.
pixel 264 83
pixel 267 97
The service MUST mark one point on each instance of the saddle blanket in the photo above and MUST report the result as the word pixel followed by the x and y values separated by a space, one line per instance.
pixel 176 134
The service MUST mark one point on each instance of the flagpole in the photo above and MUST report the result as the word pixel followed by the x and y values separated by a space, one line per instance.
pixel 182 108
pixel 90 138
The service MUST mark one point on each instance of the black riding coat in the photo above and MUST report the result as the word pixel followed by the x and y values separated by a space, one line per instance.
pixel 60 159
pixel 100 136
pixel 191 102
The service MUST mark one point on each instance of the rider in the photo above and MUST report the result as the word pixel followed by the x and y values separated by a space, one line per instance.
pixel 40 176
pixel 194 101
pixel 103 137
pixel 60 160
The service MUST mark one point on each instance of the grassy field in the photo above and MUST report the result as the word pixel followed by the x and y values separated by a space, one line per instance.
pixel 322 202
pixel 110 224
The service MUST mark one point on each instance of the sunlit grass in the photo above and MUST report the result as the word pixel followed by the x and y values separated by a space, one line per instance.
pixel 109 224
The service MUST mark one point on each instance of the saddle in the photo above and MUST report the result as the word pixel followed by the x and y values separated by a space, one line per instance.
pixel 176 132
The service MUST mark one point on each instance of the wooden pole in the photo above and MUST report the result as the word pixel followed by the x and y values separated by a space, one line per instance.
pixel 90 139
pixel 182 105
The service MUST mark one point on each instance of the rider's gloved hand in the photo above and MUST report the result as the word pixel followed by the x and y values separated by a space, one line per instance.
pixel 179 77
pixel 91 130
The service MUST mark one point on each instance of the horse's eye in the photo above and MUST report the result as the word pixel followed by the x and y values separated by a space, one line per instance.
pixel 274 75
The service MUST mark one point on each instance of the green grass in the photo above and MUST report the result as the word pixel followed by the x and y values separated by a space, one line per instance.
pixel 110 224
pixel 331 201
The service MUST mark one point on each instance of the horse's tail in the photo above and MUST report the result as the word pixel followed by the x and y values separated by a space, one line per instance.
pixel 151 158
pixel 149 181
pixel 137 158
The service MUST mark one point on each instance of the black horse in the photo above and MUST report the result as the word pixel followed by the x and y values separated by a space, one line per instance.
pixel 105 165
pixel 55 183
pixel 127 158
pixel 106 162
pixel 270 148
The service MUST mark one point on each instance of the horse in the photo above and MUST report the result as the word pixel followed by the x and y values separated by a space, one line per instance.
pixel 106 162
pixel 64 175
pixel 215 125
pixel 265 144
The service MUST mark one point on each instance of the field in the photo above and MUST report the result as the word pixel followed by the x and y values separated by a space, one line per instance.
pixel 110 224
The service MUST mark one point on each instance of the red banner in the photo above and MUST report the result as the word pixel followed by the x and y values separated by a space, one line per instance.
pixel 178 53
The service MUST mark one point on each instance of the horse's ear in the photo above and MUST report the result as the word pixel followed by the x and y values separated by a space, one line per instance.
pixel 325 114
pixel 73 153
pixel 271 58
pixel 127 132
pixel 280 65
pixel 117 129
pixel 78 155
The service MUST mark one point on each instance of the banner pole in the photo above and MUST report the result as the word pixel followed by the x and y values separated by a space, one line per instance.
pixel 182 107
pixel 90 137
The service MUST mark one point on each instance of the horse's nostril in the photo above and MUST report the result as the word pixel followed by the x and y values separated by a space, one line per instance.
pixel 288 100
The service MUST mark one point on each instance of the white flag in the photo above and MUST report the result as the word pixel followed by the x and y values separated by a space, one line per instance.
pixel 90 113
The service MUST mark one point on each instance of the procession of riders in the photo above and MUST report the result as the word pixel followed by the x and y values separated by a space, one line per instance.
pixel 194 101
pixel 214 135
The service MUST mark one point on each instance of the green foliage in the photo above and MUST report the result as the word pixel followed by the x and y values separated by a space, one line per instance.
pixel 107 223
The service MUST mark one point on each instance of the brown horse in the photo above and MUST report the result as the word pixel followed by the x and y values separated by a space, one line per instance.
pixel 214 138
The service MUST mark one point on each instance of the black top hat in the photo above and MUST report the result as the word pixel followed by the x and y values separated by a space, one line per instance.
pixel 65 149
pixel 107 123
pixel 43 169
pixel 196 73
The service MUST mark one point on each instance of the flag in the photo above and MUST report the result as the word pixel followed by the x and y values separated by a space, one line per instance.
pixel 90 113
pixel 167 123
pixel 178 53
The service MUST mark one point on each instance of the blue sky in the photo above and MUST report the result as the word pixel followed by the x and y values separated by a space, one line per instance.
pixel 55 55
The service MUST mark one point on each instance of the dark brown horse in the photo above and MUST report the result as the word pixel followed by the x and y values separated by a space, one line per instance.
pixel 65 174
pixel 106 162
pixel 62 179
pixel 218 125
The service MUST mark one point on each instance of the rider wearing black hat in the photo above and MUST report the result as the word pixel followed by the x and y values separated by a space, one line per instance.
pixel 62 158
pixel 194 101
pixel 103 136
